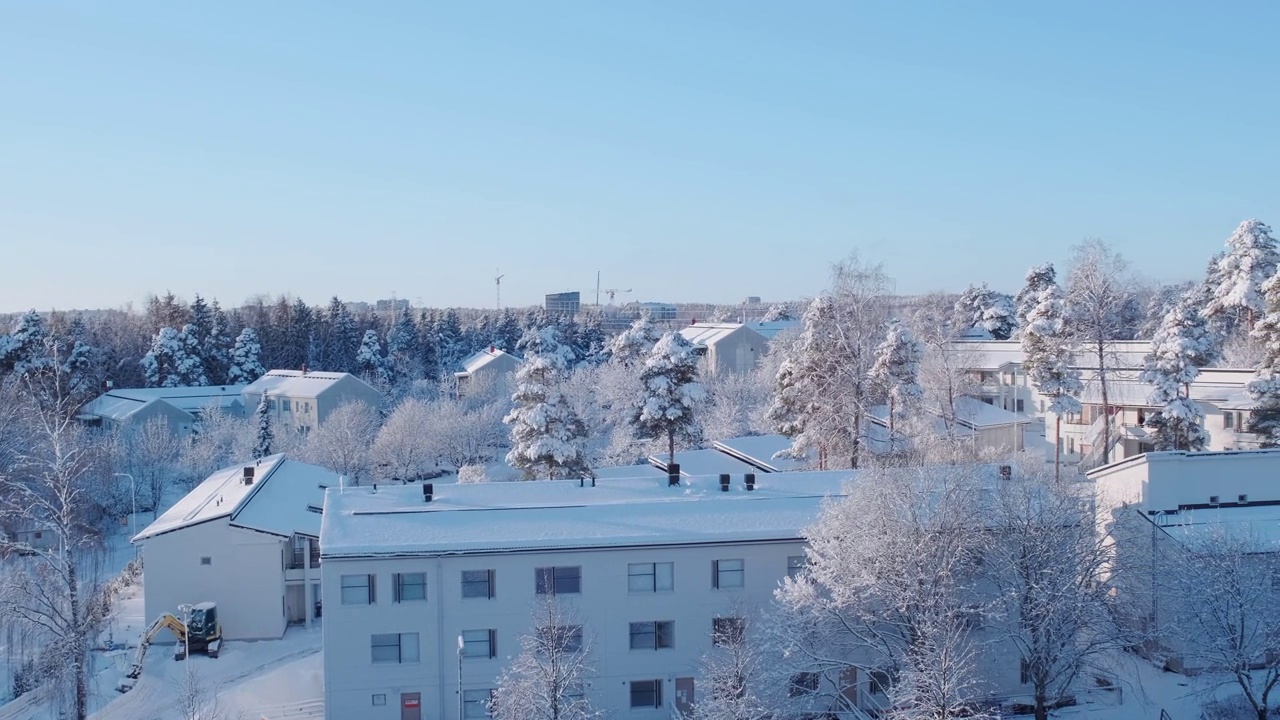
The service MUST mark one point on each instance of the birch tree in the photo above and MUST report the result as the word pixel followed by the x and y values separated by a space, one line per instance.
pixel 344 441
pixel 1097 302
pixel 548 679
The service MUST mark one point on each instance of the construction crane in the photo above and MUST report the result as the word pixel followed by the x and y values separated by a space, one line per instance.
pixel 497 282
pixel 613 291
pixel 202 634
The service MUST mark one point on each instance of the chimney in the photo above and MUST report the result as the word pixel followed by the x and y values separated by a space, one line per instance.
pixel 304 368
pixel 111 384
pixel 673 474
pixel 248 475
pixel 492 349
pixel 750 479
pixel 724 482
pixel 428 490
pixel 375 488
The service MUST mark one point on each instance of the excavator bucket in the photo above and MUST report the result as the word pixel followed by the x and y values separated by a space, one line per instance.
pixel 126 685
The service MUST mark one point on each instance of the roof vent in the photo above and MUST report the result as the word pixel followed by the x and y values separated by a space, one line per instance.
pixel 724 482
pixel 428 492
pixel 673 474
pixel 248 475
pixel 750 479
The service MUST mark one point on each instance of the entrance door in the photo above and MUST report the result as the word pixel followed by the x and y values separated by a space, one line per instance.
pixel 684 696
pixel 410 706
pixel 295 603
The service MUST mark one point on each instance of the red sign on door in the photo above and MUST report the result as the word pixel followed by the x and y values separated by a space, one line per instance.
pixel 411 702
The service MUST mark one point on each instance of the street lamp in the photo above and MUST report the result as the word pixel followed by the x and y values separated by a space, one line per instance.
pixel 185 609
pixel 133 516
pixel 460 707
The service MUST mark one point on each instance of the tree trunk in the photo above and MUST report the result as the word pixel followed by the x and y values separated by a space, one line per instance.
pixel 890 424
pixel 857 438
pixel 1042 707
pixel 1057 448
pixel 671 447
pixel 77 643
pixel 1106 406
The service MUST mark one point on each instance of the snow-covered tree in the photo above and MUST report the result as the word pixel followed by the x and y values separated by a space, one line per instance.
pixel 220 439
pixel 216 346
pixel 1039 277
pixel 1097 299
pixel 1225 609
pixel 174 360
pixel 403 449
pixel 546 434
pixel 1183 344
pixel 151 454
pixel 1251 259
pixel 1047 564
pixel 1264 388
pixel 669 394
pixel 632 346
pixel 266 434
pixel 896 371
pixel 777 313
pixel 983 308
pixel 344 441
pixel 549 678
pixel 402 347
pixel 1047 348
pixel 890 584
pixel 736 676
pixel 245 366
pixel 735 405
pixel 370 363
pixel 23 351
pixel 461 432
pixel 342 338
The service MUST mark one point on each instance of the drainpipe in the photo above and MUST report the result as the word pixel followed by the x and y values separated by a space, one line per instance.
pixel 441 645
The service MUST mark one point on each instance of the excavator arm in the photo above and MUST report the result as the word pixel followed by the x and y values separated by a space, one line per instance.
pixel 164 622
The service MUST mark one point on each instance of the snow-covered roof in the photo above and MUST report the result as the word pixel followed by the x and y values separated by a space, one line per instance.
pixel 708 334
pixel 484 357
pixel 120 404
pixel 771 328
pixel 295 383
pixel 1223 388
pixel 759 450
pixel 979 415
pixel 276 502
pixel 996 354
pixel 496 517
pixel 703 462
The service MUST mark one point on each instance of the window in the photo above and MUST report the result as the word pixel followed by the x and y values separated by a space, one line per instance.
pixel 646 693
pixel 653 635
pixel 879 682
pixel 651 577
pixel 727 573
pixel 284 405
pixel 306 408
pixel 796 565
pixel 805 683
pixel 1228 420
pixel 1242 498
pixel 394 648
pixel 1024 673
pixel 475 703
pixel 1018 405
pixel 565 580
pixel 206 560
pixel 479 643
pixel 565 638
pixel 358 589
pixel 39 534
pixel 477 584
pixel 727 631
pixel 380 699
pixel 410 587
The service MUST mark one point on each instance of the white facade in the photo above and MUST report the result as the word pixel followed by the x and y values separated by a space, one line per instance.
pixel 728 347
pixel 303 399
pixel 250 547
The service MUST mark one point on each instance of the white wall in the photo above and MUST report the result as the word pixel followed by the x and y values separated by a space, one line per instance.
pixel 1163 481
pixel 245 577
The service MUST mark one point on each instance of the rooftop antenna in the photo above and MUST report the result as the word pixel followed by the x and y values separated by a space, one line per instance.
pixel 497 283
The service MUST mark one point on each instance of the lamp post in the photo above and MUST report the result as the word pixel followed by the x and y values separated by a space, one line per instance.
pixel 185 609
pixel 460 707
pixel 133 516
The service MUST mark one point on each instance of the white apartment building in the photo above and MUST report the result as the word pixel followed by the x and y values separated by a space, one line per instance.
pixel 302 399
pixel 650 569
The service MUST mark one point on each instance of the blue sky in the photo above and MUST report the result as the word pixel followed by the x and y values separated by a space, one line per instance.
pixel 686 150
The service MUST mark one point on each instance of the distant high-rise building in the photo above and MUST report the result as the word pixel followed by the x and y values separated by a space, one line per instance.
pixel 393 304
pixel 565 303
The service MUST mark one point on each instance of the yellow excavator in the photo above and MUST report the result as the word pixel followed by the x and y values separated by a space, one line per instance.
pixel 202 634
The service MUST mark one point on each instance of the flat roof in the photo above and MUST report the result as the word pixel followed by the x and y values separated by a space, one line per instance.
pixel 502 517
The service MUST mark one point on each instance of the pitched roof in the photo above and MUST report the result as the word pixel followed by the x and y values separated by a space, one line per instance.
pixel 296 383
pixel 708 334
pixel 119 404
pixel 275 503
pixel 759 450
pixel 484 357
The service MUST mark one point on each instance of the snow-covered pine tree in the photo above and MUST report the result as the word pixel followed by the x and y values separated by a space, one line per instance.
pixel 1039 277
pixel 369 361
pixel 453 345
pixel 217 345
pixel 983 308
pixel 1251 259
pixel 632 346
pixel 24 350
pixel 669 392
pixel 1264 388
pixel 508 333
pixel 897 371
pixel 1046 346
pixel 266 436
pixel 174 360
pixel 190 363
pixel 402 347
pixel 778 312
pixel 342 338
pixel 547 436
pixel 201 317
pixel 1182 345
pixel 429 346
pixel 245 365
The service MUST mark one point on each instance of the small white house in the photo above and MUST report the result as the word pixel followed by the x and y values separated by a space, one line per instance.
pixel 487 368
pixel 728 347
pixel 302 399
pixel 181 407
pixel 247 539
